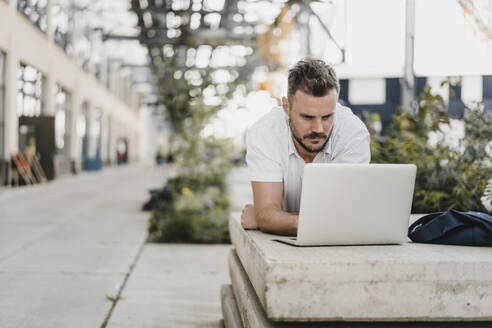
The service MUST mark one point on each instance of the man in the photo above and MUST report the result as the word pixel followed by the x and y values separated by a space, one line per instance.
pixel 311 128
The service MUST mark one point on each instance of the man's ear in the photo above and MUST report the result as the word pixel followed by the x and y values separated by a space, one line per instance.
pixel 285 105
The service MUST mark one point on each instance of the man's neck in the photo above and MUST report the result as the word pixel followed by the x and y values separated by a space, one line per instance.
pixel 305 155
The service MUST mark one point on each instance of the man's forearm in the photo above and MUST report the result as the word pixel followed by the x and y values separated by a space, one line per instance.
pixel 273 220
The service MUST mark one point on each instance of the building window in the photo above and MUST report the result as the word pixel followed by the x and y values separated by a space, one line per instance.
pixel 2 104
pixel 29 91
pixel 367 91
pixel 35 11
pixel 472 90
pixel 63 18
pixel 62 120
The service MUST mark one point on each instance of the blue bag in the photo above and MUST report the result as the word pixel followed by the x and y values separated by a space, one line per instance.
pixel 453 228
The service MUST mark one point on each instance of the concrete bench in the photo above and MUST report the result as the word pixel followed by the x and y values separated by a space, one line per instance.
pixel 392 283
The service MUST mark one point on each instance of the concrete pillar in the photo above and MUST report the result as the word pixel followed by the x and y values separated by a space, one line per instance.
pixel 109 141
pixel 147 134
pixel 113 78
pixel 75 149
pixel 408 88
pixel 2 108
pixel 49 83
pixel 128 89
pixel 95 40
pixel 135 147
pixel 49 21
pixel 133 155
pixel 89 114
pixel 119 82
pixel 12 4
pixel 105 137
pixel 124 89
pixel 11 119
pixel 104 70
pixel 48 97
pixel 114 139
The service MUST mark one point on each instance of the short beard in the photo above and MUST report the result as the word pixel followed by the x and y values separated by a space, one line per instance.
pixel 309 136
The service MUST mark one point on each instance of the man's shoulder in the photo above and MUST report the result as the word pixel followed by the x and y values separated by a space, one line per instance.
pixel 273 123
pixel 266 142
pixel 348 122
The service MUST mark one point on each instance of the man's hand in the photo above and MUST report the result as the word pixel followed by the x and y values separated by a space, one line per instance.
pixel 248 218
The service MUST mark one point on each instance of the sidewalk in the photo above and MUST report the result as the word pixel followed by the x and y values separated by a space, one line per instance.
pixel 177 285
pixel 68 244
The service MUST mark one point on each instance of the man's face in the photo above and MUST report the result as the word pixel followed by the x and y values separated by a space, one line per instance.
pixel 311 118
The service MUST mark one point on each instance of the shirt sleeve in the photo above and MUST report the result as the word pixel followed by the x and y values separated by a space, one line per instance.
pixel 356 149
pixel 262 165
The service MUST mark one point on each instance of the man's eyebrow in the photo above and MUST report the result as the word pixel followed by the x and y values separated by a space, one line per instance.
pixel 311 116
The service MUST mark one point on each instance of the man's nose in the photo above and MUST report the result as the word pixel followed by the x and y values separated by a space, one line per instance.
pixel 317 126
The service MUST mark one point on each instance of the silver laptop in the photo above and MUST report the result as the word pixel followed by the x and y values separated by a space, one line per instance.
pixel 354 204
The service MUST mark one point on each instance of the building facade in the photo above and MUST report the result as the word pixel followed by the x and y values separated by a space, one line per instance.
pixel 77 116
pixel 382 95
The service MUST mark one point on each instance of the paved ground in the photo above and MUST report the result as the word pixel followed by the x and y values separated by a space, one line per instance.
pixel 174 286
pixel 179 285
pixel 67 245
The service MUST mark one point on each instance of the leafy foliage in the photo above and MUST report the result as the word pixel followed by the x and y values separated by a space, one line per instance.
pixel 191 210
pixel 448 176
pixel 193 206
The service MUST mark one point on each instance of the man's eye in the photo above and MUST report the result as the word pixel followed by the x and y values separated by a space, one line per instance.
pixel 327 117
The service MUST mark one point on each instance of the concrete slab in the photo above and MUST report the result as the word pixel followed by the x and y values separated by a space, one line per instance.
pixel 230 311
pixel 253 315
pixel 250 309
pixel 174 285
pixel 410 282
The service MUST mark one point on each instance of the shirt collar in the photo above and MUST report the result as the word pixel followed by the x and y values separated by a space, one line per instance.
pixel 292 147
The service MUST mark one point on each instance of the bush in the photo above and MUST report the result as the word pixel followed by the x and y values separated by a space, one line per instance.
pixel 193 206
pixel 448 175
pixel 191 209
pixel 163 198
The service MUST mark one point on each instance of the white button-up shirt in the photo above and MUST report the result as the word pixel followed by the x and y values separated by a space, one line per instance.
pixel 272 157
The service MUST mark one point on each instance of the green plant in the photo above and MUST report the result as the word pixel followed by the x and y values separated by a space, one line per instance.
pixel 193 206
pixel 448 176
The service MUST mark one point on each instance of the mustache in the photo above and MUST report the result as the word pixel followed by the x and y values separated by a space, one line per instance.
pixel 314 135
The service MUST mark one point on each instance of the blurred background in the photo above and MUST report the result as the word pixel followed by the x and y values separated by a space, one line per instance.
pixel 90 74
pixel 102 101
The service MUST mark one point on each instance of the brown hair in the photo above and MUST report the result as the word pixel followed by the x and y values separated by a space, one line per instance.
pixel 312 76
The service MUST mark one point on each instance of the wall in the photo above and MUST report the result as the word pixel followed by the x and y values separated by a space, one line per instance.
pixel 22 41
